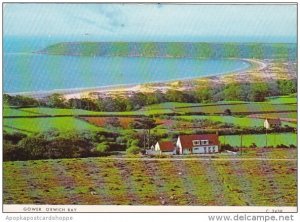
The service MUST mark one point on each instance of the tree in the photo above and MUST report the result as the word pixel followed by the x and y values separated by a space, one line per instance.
pixel 138 100
pixel 56 100
pixel 286 87
pixel 233 92
pixel 152 99
pixel 258 92
pixel 174 96
pixel 147 124
pixel 203 95
pixel 19 100
pixel 83 103
pixel 159 96
pixel 6 99
pixel 227 112
pixel 110 104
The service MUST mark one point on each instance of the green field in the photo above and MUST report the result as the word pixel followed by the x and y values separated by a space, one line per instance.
pixel 173 105
pixel 57 111
pixel 238 108
pixel 289 115
pixel 169 105
pixel 260 140
pixel 63 112
pixel 101 181
pixel 237 121
pixel 283 99
pixel 32 125
pixel 7 112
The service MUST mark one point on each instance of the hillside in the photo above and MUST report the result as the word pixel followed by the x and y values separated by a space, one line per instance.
pixel 114 181
pixel 175 49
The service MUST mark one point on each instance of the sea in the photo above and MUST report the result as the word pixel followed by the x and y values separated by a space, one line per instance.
pixel 26 71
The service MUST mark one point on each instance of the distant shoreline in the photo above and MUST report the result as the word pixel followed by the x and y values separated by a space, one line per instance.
pixel 85 92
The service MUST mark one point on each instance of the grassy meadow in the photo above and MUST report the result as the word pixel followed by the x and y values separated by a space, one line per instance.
pixel 104 181
pixel 36 125
pixel 274 139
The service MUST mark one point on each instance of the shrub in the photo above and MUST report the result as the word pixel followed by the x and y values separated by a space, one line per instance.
pixel 12 152
pixel 227 112
pixel 48 146
pixel 282 146
pixel 253 145
pixel 134 143
pixel 228 147
pixel 14 138
pixel 133 150
pixel 102 147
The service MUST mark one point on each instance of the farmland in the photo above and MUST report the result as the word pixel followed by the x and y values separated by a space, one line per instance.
pixel 243 108
pixel 170 117
pixel 114 181
pixel 57 111
pixel 43 111
pixel 35 125
pixel 9 112
pixel 238 107
pixel 259 140
pixel 288 117
pixel 290 99
pixel 238 121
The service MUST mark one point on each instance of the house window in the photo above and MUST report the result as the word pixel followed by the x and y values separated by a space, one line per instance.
pixel 196 142
pixel 196 149
pixel 204 142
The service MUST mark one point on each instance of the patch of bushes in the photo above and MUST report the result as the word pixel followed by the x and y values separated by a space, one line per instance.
pixel 133 150
pixel 253 145
pixel 47 146
pixel 54 144
pixel 228 147
pixel 283 146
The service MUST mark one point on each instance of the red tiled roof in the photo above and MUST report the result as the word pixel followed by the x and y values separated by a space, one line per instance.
pixel 274 121
pixel 166 146
pixel 187 140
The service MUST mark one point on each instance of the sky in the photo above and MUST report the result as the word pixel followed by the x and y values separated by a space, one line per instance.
pixel 153 22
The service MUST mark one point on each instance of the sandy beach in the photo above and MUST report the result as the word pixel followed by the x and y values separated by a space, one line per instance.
pixel 259 71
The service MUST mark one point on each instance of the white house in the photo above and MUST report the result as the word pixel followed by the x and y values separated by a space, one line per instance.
pixel 194 144
pixel 165 147
pixel 272 123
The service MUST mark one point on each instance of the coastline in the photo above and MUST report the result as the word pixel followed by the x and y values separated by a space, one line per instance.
pixel 242 75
